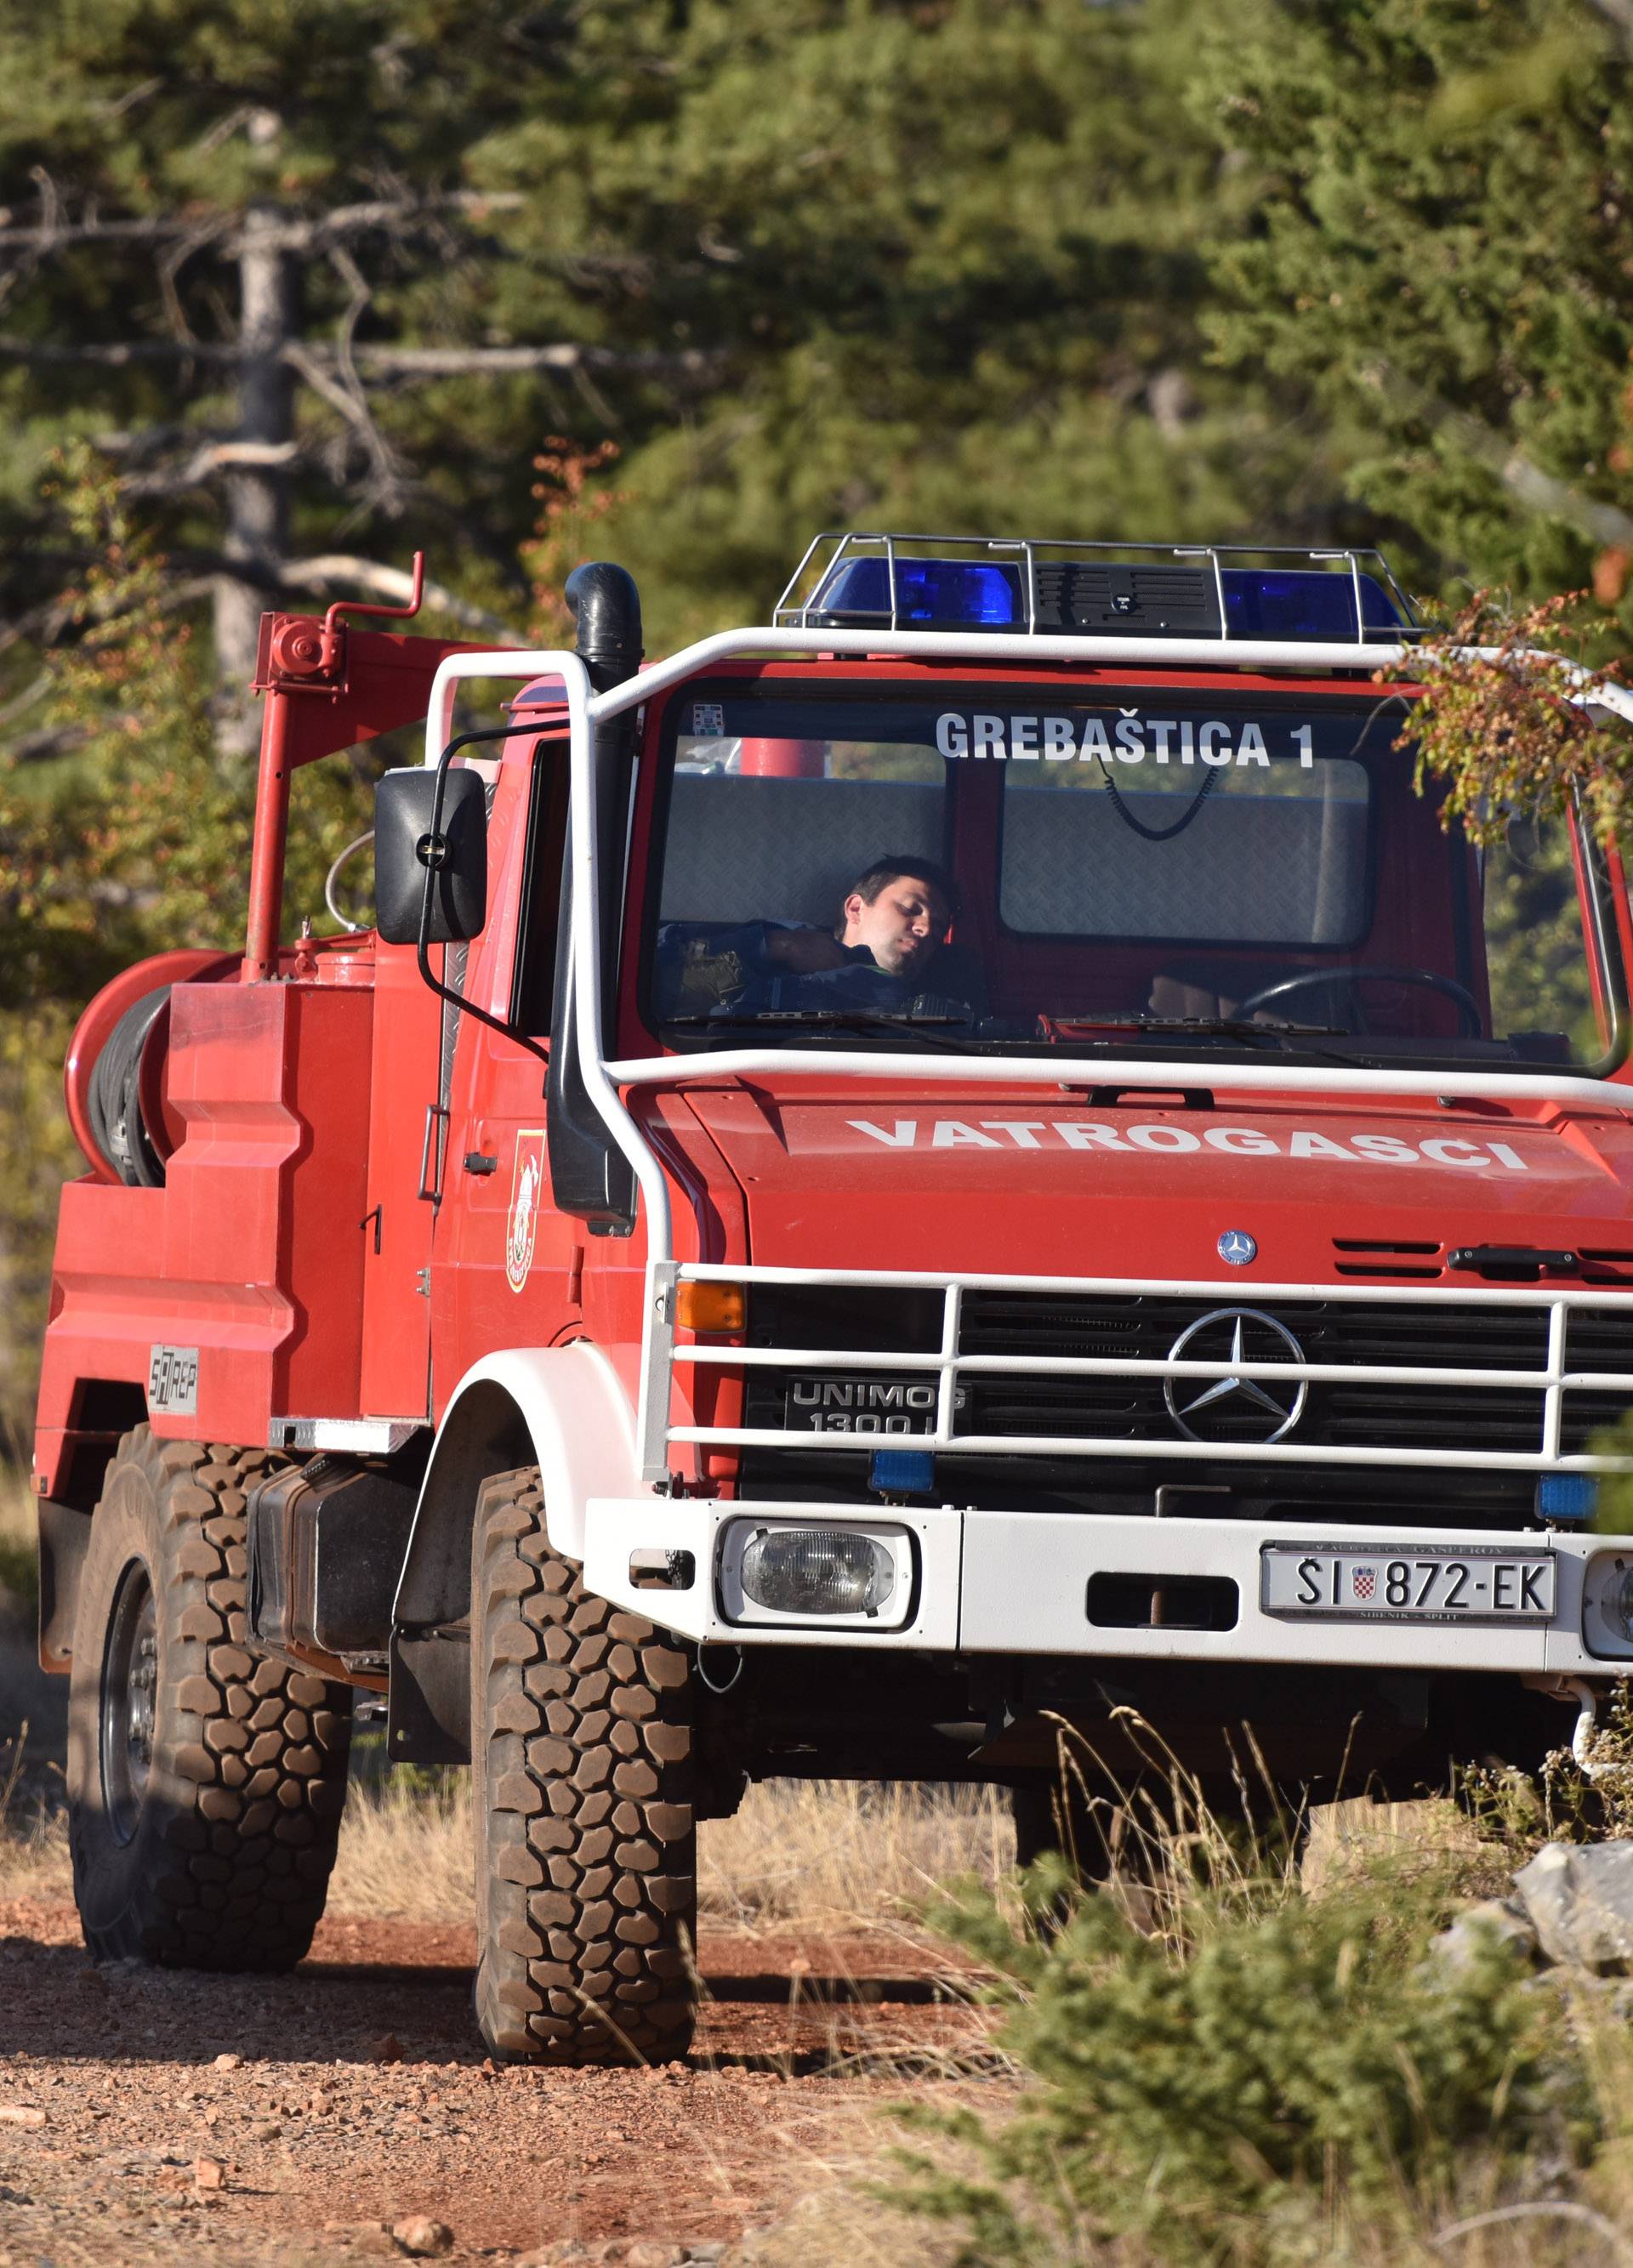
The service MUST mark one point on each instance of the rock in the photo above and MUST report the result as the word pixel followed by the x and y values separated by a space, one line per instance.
pixel 1580 1899
pixel 264 2130
pixel 208 2174
pixel 18 2114
pixel 229 2062
pixel 422 2238
pixel 1504 1921
pixel 387 2048
pixel 646 2252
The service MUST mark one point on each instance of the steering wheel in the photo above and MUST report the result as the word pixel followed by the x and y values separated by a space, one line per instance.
pixel 1307 980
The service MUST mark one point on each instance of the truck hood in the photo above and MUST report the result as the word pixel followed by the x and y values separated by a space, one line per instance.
pixel 1035 1181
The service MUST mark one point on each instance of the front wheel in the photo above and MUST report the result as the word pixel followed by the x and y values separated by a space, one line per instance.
pixel 205 1783
pixel 581 1749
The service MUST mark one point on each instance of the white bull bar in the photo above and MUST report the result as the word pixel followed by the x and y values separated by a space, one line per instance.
pixel 949 1367
pixel 604 1079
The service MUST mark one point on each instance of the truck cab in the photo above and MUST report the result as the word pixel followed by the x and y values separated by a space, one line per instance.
pixel 978 1164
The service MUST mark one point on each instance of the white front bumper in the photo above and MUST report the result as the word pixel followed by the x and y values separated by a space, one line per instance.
pixel 998 1582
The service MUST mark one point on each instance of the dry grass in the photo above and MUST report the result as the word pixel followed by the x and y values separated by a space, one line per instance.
pixel 33 1845
pixel 407 1853
pixel 17 1534
pixel 821 1853
pixel 33 1834
pixel 1356 1836
pixel 836 1854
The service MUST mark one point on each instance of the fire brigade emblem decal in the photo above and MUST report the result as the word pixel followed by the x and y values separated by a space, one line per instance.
pixel 1234 1408
pixel 522 1222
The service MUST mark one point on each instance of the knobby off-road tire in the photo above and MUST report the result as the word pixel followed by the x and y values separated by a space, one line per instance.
pixel 205 1783
pixel 585 1841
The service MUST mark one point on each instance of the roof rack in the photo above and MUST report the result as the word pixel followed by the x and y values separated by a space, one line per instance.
pixel 1041 585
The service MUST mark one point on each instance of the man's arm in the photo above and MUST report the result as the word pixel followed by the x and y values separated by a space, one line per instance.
pixel 805 950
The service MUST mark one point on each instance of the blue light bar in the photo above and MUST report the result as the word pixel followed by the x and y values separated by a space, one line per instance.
pixel 1280 602
pixel 902 1472
pixel 1093 596
pixel 1567 1496
pixel 944 593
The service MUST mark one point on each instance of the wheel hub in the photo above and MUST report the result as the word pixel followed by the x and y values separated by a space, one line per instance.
pixel 129 1683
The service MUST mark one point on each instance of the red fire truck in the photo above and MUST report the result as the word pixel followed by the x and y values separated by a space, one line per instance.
pixel 975 1159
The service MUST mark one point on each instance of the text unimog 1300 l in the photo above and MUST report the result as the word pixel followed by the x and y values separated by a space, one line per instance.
pixel 680 1348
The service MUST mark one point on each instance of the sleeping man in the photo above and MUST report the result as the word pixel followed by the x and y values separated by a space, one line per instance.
pixel 879 954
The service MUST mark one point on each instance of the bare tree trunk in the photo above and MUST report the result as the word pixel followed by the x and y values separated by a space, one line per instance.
pixel 257 497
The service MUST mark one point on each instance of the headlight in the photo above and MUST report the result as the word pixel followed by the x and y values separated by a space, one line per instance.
pixel 859 1573
pixel 1608 1605
pixel 1620 1601
pixel 817 1570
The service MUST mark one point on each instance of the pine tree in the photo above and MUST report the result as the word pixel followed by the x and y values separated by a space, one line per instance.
pixel 1440 257
pixel 246 252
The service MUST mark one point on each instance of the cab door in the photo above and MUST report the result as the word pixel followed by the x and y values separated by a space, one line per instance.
pixel 507 1265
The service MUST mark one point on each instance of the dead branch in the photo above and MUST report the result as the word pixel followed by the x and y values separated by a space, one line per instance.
pixel 458 362
pixel 315 232
pixel 1539 491
pixel 48 741
pixel 1619 15
pixel 1561 2211
pixel 382 361
pixel 389 484
pixel 19 704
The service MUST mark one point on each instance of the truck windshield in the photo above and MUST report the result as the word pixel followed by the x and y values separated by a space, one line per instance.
pixel 1127 870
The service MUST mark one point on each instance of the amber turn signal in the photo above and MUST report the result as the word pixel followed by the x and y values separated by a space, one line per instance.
pixel 711 1307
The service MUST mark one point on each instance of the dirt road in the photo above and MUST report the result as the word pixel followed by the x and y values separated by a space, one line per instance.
pixel 146 2115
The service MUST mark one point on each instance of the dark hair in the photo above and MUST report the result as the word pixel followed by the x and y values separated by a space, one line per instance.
pixel 891 866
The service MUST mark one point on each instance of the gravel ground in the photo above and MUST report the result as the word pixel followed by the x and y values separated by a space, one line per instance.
pixel 147 2115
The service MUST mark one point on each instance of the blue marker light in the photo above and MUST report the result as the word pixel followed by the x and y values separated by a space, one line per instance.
pixel 1292 603
pixel 953 592
pixel 902 1472
pixel 1567 1496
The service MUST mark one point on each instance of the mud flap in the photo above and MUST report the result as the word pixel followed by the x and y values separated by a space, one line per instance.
pixel 428 1719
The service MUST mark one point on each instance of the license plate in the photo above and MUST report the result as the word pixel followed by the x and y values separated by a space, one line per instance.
pixel 1431 1583
pixel 172 1380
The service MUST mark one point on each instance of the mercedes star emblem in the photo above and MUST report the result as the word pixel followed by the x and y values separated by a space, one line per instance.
pixel 1236 1336
pixel 1236 1248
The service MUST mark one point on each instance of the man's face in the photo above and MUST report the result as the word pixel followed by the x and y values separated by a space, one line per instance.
pixel 901 928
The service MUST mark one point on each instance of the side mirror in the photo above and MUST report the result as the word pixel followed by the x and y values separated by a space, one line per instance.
pixel 408 861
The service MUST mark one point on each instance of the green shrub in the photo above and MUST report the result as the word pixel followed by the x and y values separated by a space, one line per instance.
pixel 1228 2087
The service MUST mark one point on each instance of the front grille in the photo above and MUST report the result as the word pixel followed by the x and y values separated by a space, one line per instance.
pixel 1152 1380
pixel 1361 1417
pixel 1442 1334
pixel 1464 1336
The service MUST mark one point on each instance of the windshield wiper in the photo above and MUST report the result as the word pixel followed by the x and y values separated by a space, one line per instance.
pixel 840 1020
pixel 1295 1037
pixel 1229 1028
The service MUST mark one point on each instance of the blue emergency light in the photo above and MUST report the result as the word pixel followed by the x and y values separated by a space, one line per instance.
pixel 1273 602
pixel 930 593
pixel 1570 1497
pixel 902 1472
pixel 1135 591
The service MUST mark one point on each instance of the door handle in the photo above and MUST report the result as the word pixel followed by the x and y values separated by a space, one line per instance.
pixel 431 1154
